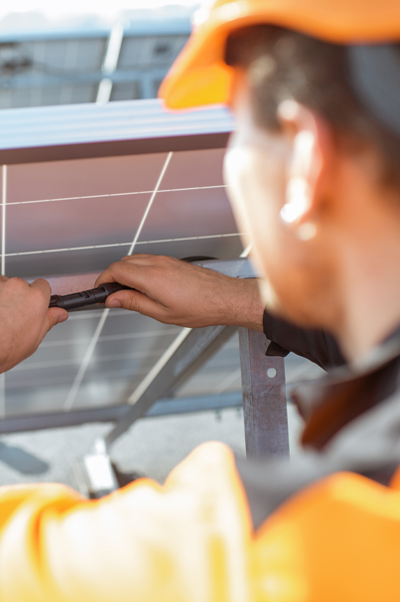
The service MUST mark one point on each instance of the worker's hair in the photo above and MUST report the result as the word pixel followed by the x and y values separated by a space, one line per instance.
pixel 284 64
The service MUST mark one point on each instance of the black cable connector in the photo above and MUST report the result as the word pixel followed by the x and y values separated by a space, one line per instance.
pixel 89 297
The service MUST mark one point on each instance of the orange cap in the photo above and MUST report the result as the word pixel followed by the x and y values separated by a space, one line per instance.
pixel 200 76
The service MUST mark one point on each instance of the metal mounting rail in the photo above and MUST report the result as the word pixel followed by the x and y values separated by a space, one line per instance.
pixel 264 397
pixel 194 347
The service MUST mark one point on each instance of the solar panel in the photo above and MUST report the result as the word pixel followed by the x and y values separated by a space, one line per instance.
pixel 124 178
pixel 40 72
pixel 150 51
pixel 64 67
pixel 56 56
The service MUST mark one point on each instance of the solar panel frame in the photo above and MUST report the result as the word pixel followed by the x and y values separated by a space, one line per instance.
pixel 121 128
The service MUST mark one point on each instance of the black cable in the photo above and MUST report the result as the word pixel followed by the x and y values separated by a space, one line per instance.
pixel 89 297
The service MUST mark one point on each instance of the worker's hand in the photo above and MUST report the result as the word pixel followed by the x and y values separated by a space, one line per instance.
pixel 25 318
pixel 177 292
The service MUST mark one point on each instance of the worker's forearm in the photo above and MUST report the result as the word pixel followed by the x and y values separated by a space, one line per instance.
pixel 177 292
pixel 244 306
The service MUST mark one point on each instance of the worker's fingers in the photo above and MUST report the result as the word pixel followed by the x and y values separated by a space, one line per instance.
pixel 107 276
pixel 53 315
pixel 42 286
pixel 3 278
pixel 129 274
pixel 136 301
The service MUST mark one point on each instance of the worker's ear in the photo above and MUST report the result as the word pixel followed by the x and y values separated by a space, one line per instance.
pixel 309 166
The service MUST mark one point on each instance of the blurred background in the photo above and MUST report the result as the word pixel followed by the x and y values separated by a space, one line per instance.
pixel 84 51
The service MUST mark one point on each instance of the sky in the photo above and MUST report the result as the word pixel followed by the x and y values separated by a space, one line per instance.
pixel 105 8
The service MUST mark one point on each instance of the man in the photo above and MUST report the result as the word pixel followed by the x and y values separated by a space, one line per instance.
pixel 315 186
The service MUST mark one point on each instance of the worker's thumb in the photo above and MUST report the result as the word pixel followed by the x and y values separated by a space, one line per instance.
pixel 55 315
pixel 134 301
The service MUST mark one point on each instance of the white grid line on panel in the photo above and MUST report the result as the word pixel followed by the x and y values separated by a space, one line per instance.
pixel 125 244
pixel 86 360
pixel 153 196
pixel 3 219
pixel 246 251
pixel 115 194
pixel 110 63
pixel 166 356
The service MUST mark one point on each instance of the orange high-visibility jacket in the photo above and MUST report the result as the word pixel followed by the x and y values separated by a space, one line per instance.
pixel 192 541
pixel 325 528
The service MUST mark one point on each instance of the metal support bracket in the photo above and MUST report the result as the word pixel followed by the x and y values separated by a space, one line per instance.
pixel 264 397
pixel 193 351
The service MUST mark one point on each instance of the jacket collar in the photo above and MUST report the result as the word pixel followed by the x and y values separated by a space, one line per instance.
pixel 330 402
